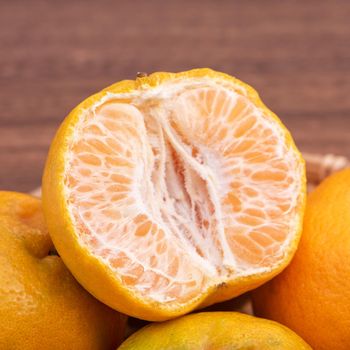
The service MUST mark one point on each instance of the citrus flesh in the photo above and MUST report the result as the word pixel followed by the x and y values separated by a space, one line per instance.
pixel 215 330
pixel 312 296
pixel 41 305
pixel 174 191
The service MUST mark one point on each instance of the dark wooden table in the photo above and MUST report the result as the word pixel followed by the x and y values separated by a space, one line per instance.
pixel 53 54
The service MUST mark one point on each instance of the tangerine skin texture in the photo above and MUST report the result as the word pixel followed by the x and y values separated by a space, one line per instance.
pixel 312 296
pixel 215 330
pixel 88 269
pixel 41 304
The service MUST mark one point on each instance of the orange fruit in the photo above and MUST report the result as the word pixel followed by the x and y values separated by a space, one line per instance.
pixel 41 305
pixel 173 192
pixel 312 296
pixel 215 330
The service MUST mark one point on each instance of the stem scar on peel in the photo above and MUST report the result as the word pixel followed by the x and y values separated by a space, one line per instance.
pixel 141 74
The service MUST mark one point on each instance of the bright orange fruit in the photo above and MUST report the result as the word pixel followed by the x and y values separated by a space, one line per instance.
pixel 173 192
pixel 312 296
pixel 215 331
pixel 41 305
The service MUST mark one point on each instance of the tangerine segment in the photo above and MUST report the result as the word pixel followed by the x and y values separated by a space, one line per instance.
pixel 180 187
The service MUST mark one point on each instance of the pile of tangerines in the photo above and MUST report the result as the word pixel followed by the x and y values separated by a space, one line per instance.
pixel 165 195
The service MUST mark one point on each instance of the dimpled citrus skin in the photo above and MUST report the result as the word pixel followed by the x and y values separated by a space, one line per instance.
pixel 89 269
pixel 215 330
pixel 41 304
pixel 312 296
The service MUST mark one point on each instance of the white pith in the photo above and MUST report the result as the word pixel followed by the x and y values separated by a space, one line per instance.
pixel 178 181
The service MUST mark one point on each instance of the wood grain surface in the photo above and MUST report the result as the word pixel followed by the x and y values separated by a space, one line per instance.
pixel 53 54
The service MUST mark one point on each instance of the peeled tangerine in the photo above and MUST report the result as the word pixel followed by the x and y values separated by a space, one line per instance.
pixel 173 192
pixel 41 305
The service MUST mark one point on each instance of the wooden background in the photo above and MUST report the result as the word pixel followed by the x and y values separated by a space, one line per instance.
pixel 53 54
